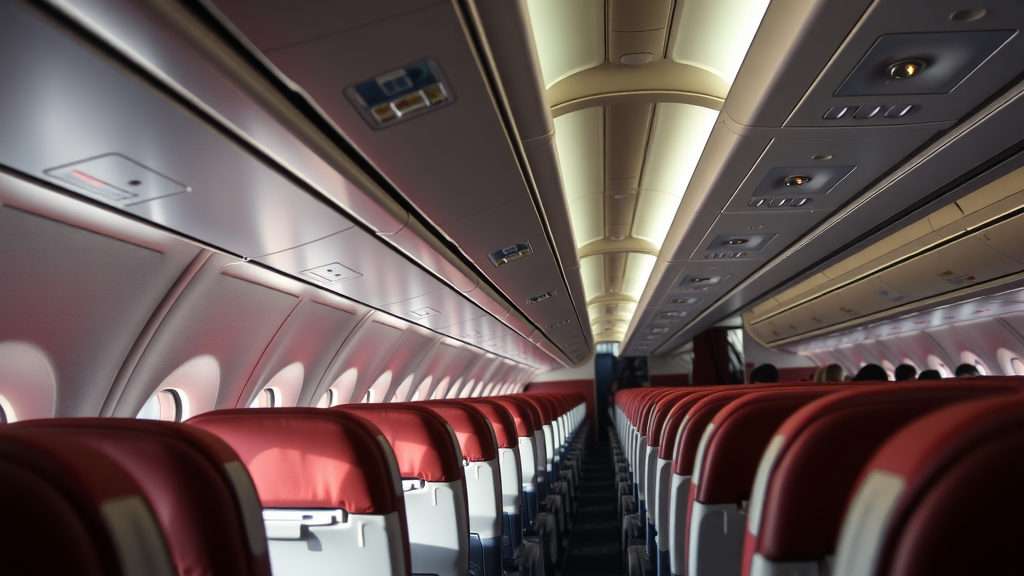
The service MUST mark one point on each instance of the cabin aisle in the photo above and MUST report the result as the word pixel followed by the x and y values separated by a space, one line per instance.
pixel 594 548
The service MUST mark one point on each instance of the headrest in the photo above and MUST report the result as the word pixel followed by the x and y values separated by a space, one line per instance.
pixel 501 419
pixel 310 458
pixel 659 415
pixel 526 425
pixel 697 419
pixel 821 450
pixel 424 443
pixel 546 411
pixel 471 426
pixel 949 481
pixel 201 494
pixel 644 420
pixel 533 409
pixel 742 430
pixel 69 509
pixel 674 421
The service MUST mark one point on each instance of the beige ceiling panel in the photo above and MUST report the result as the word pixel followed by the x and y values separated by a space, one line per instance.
pixel 619 211
pixel 715 34
pixel 614 271
pixel 569 36
pixel 592 270
pixel 809 285
pixel 627 128
pixel 990 194
pixel 632 16
pixel 580 140
pixel 648 45
pixel 587 215
pixel 999 208
pixel 1006 237
pixel 654 214
pixel 638 271
pixel 678 135
pixel 918 230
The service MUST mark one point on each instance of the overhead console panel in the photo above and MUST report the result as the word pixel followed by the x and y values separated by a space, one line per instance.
pixel 834 125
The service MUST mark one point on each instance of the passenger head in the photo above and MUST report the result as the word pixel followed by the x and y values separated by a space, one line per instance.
pixel 764 374
pixel 833 373
pixel 929 375
pixel 966 371
pixel 871 372
pixel 905 372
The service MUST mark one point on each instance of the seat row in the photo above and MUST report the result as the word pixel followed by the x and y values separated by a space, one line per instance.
pixel 449 487
pixel 813 479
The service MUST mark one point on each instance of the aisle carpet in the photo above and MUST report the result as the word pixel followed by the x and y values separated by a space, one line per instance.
pixel 594 546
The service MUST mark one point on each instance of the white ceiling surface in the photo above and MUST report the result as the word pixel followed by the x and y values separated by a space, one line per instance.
pixel 570 39
pixel 244 205
pixel 772 119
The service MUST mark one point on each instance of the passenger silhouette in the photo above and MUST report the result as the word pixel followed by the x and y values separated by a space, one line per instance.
pixel 871 372
pixel 764 374
pixel 929 375
pixel 966 371
pixel 905 372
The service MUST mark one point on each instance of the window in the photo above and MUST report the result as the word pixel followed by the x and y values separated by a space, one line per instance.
pixel 935 364
pixel 327 399
pixel 981 367
pixel 267 398
pixel 1017 365
pixel 165 405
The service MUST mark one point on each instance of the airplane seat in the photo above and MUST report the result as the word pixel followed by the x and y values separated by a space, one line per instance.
pixel 655 425
pixel 433 480
pixel 665 425
pixel 510 468
pixel 483 482
pixel 941 496
pixel 723 474
pixel 525 427
pixel 203 498
pixel 684 454
pixel 329 486
pixel 67 508
pixel 807 473
pixel 810 467
pixel 551 519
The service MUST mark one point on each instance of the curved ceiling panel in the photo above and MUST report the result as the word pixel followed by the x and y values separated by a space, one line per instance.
pixel 715 34
pixel 569 36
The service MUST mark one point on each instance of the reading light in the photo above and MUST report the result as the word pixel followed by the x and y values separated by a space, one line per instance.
pixel 737 241
pixel 797 180
pixel 695 280
pixel 821 157
pixel 906 69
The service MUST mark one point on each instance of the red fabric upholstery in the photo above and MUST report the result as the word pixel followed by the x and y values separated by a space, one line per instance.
pixel 526 425
pixel 826 445
pixel 697 419
pixel 644 413
pixel 533 409
pixel 474 431
pixel 545 410
pixel 51 491
pixel 741 432
pixel 182 471
pixel 674 421
pixel 958 512
pixel 659 415
pixel 501 419
pixel 424 443
pixel 310 458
